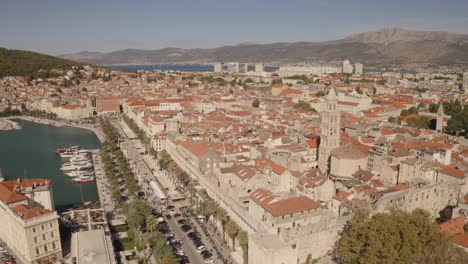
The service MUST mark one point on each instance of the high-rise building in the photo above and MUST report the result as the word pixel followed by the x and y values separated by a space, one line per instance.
pixel 233 67
pixel 218 67
pixel 243 67
pixel 259 68
pixel 29 224
pixel 358 68
pixel 465 82
pixel 329 130
pixel 347 67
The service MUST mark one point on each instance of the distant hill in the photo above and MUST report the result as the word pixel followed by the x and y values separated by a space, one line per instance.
pixel 380 47
pixel 27 63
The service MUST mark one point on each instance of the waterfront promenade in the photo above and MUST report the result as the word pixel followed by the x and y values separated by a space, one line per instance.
pixel 92 127
pixel 103 187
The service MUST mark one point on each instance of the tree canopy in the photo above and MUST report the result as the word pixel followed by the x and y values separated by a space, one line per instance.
pixel 397 237
pixel 304 106
pixel 27 63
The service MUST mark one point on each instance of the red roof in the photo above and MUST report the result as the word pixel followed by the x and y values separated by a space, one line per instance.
pixel 453 226
pixel 198 149
pixel 26 213
pixel 341 196
pixel 453 171
pixel 9 190
pixel 400 187
pixel 278 207
pixel 461 240
pixel 311 143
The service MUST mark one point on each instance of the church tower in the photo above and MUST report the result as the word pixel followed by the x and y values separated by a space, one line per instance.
pixel 440 119
pixel 329 130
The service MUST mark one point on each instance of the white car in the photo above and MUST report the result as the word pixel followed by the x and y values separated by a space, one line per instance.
pixel 201 248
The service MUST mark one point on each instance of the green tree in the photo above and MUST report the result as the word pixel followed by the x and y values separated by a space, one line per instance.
pixel 232 231
pixel 358 90
pixel 244 243
pixel 320 94
pixel 397 237
pixel 256 103
pixel 304 106
pixel 433 108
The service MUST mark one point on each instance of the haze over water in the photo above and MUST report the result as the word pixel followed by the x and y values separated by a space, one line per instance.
pixel 29 153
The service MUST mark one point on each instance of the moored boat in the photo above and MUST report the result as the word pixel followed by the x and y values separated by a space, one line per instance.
pixel 63 150
pixel 83 179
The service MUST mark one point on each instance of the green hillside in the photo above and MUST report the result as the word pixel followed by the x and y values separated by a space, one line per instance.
pixel 27 63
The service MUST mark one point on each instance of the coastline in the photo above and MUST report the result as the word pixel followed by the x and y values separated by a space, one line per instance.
pixel 58 123
pixel 6 124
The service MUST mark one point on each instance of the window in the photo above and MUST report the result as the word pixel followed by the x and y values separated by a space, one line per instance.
pixel 43 237
pixel 54 246
pixel 42 227
pixel 34 230
pixel 35 239
pixel 50 224
pixel 45 248
pixel 51 234
pixel 37 251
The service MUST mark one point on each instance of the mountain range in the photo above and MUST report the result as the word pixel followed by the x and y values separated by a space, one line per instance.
pixel 384 47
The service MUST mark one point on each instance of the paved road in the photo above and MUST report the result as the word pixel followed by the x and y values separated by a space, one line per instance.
pixel 144 174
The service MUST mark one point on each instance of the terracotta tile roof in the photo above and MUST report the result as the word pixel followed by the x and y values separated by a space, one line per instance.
pixel 341 196
pixel 278 207
pixel 451 170
pixel 461 240
pixel 400 187
pixel 7 195
pixel 453 226
pixel 27 213
pixel 311 143
pixel 276 168
pixel 9 189
pixel 198 149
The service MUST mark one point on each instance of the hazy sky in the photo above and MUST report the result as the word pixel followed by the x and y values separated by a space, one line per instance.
pixel 62 26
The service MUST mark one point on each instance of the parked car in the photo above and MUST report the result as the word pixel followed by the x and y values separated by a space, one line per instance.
pixel 186 228
pixel 201 248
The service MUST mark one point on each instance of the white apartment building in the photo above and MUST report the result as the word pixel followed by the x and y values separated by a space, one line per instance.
pixel 358 68
pixel 218 67
pixel 347 67
pixel 28 225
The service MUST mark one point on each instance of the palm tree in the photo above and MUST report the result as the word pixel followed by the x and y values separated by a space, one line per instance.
pixel 223 217
pixel 150 223
pixel 232 230
pixel 192 191
pixel 244 243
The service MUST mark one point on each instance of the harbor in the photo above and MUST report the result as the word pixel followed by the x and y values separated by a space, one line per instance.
pixel 31 153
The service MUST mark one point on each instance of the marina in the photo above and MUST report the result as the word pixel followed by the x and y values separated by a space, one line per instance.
pixel 78 164
pixel 31 153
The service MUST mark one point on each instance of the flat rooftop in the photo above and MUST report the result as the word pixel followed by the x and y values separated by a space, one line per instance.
pixel 90 247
